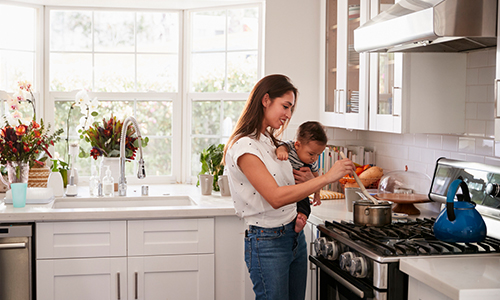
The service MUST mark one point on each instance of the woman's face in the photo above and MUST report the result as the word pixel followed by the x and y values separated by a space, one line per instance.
pixel 277 112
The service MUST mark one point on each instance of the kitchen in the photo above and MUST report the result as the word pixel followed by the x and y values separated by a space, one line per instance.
pixel 291 49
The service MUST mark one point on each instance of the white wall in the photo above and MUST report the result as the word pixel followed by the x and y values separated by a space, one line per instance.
pixel 292 39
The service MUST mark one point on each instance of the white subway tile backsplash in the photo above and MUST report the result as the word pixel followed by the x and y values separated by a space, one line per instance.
pixel 484 146
pixel 485 74
pixel 477 93
pixel 450 143
pixel 490 129
pixel 470 111
pixel 343 134
pixel 434 141
pixel 492 57
pixel 397 139
pixel 466 145
pixel 477 59
pixel 485 111
pixel 440 153
pixel 472 76
pixel 415 154
pixel 421 140
pixel 475 127
pixel 409 139
pixel 490 92
pixel 428 156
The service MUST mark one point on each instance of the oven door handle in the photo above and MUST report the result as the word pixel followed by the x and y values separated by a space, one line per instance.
pixel 337 277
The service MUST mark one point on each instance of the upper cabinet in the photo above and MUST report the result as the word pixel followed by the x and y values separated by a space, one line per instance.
pixel 497 81
pixel 388 92
pixel 344 93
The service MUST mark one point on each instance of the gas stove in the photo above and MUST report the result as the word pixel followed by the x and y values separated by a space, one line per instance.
pixel 362 262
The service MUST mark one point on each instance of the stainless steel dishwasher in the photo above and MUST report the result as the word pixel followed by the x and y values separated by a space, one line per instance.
pixel 16 262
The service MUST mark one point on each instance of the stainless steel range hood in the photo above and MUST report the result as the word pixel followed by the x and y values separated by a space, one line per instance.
pixel 430 26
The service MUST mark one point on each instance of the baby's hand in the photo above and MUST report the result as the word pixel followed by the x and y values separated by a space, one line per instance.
pixel 316 199
pixel 282 153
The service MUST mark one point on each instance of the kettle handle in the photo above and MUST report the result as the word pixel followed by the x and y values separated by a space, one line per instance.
pixel 452 190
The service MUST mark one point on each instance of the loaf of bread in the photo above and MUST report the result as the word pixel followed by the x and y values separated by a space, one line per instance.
pixel 371 175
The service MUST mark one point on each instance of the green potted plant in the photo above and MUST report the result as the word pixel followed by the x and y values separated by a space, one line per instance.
pixel 211 163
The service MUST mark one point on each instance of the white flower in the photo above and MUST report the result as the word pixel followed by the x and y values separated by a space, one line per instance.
pixel 82 98
pixel 93 105
pixel 85 123
pixel 13 103
pixel 20 96
pixel 14 118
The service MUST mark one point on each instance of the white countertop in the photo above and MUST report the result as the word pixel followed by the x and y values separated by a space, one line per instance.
pixel 460 278
pixel 206 206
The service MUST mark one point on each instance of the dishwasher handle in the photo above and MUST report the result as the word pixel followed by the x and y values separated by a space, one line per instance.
pixel 13 246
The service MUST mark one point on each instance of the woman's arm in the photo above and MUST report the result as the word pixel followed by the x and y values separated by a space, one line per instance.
pixel 260 178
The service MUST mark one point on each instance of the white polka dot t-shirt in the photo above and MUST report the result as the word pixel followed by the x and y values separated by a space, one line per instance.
pixel 248 203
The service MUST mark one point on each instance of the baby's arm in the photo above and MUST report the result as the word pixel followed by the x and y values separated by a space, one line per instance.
pixel 282 152
pixel 317 197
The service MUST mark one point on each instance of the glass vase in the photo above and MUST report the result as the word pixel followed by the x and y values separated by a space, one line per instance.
pixel 17 172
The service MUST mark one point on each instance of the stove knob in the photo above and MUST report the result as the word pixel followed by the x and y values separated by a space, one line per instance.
pixel 331 250
pixel 493 189
pixel 359 267
pixel 346 260
pixel 318 245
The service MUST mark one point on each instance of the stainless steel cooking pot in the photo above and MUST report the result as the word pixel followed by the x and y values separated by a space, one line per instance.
pixel 371 214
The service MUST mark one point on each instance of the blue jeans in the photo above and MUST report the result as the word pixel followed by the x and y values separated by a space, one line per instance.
pixel 277 261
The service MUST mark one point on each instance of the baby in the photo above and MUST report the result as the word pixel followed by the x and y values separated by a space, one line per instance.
pixel 304 152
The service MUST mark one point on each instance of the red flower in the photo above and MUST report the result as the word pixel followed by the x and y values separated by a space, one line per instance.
pixel 21 129
pixel 35 124
pixel 37 133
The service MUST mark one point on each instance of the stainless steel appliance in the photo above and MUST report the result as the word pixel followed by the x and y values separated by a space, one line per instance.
pixel 16 262
pixel 362 262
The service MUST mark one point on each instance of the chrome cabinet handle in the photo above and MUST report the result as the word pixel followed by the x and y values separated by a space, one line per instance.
pixel 118 284
pixel 13 246
pixel 335 93
pixel 136 291
pixel 497 106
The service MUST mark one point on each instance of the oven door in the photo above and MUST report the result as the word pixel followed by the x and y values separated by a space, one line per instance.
pixel 336 284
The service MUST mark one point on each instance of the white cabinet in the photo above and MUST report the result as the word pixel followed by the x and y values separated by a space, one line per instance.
pixel 416 92
pixel 311 233
pixel 497 83
pixel 344 81
pixel 143 259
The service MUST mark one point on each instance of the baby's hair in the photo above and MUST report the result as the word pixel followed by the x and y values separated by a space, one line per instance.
pixel 311 131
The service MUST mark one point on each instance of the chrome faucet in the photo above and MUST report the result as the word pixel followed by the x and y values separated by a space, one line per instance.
pixel 141 172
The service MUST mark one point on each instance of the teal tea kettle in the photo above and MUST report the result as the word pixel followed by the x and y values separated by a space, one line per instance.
pixel 459 222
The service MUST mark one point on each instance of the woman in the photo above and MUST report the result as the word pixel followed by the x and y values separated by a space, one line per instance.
pixel 264 191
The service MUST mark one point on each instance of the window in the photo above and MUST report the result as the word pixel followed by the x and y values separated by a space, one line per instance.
pixel 224 66
pixel 18 56
pixel 184 75
pixel 129 60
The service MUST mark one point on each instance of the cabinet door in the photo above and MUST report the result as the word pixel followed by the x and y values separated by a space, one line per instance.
pixel 176 277
pixel 386 80
pixel 81 239
pixel 345 99
pixel 311 234
pixel 172 236
pixel 496 87
pixel 82 279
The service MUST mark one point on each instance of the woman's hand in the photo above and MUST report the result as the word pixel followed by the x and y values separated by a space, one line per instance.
pixel 340 169
pixel 302 175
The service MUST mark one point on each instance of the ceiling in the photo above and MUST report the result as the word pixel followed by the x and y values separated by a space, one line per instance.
pixel 165 4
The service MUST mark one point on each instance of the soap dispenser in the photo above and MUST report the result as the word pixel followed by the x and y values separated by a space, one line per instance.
pixel 108 185
pixel 94 182
pixel 71 189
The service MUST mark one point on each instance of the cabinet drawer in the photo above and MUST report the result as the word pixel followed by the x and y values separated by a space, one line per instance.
pixel 173 236
pixel 81 239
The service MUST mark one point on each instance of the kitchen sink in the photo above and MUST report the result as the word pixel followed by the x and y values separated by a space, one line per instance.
pixel 120 202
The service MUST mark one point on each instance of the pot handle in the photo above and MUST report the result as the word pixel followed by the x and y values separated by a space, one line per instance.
pixel 452 190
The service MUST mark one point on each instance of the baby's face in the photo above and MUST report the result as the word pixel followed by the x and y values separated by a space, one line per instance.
pixel 308 153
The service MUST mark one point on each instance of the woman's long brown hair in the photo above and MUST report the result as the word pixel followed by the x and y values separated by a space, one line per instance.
pixel 250 120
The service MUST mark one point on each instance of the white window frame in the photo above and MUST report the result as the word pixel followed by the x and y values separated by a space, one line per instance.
pixel 52 97
pixel 190 97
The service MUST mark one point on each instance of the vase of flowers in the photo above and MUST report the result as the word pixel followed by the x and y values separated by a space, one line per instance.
pixel 23 143
pixel 105 140
pixel 22 146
